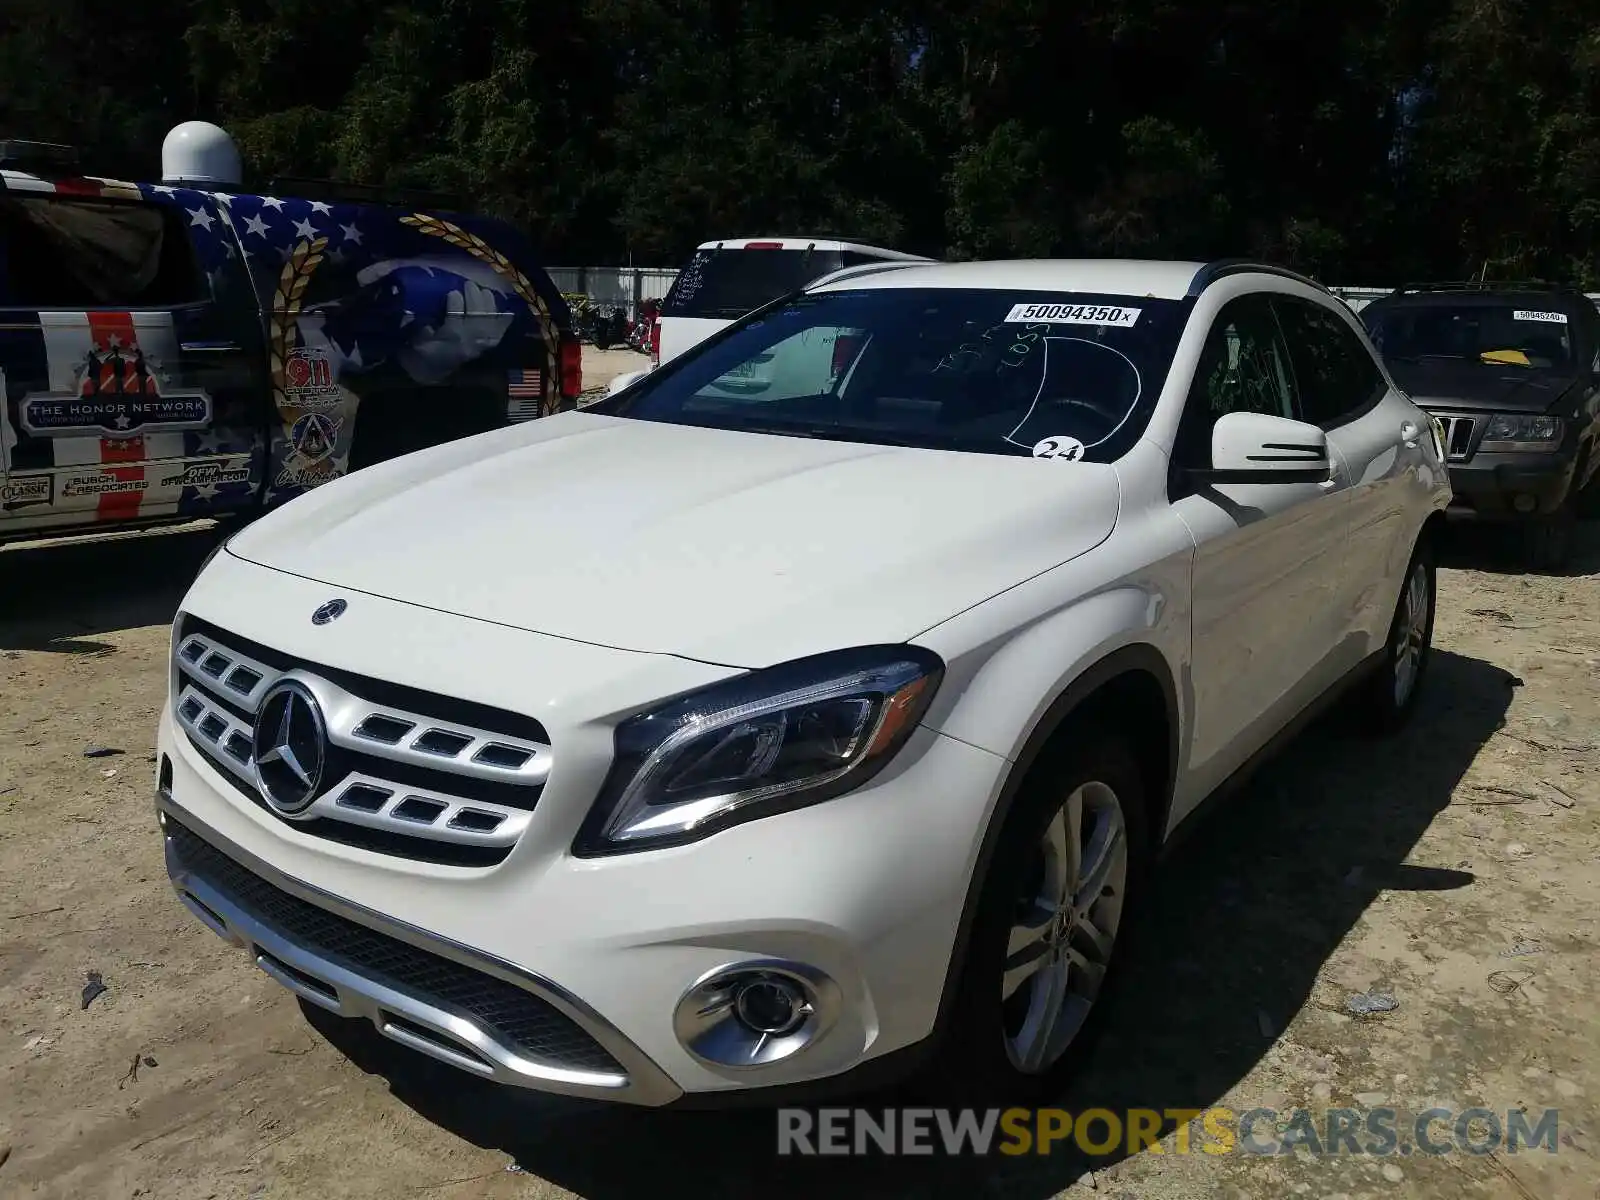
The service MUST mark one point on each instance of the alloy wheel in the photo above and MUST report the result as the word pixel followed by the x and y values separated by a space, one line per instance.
pixel 1409 640
pixel 1066 926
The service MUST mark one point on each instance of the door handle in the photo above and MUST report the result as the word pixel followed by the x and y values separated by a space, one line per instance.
pixel 210 347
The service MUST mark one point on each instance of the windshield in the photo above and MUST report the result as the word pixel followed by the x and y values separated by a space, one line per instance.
pixel 1501 334
pixel 724 284
pixel 995 372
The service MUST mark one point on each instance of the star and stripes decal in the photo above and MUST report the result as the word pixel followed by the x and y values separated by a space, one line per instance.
pixel 100 411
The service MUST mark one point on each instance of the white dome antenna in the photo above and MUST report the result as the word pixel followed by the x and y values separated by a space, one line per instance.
pixel 200 154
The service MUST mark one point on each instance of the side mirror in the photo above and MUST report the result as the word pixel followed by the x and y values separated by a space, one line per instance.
pixel 1251 447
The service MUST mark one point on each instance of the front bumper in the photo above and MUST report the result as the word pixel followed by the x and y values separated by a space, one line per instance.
pixel 1489 485
pixel 866 889
pixel 357 963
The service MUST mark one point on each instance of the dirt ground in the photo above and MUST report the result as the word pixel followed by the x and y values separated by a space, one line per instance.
pixel 1455 867
pixel 600 367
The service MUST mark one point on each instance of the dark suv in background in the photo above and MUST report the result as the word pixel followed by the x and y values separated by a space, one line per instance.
pixel 1512 372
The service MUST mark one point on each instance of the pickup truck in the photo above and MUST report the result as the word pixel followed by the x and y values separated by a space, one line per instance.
pixel 180 350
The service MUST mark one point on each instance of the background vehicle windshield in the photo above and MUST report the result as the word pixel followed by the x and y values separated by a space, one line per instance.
pixel 724 284
pixel 1532 335
pixel 995 372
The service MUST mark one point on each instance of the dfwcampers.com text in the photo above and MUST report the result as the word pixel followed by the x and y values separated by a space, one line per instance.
pixel 1100 1131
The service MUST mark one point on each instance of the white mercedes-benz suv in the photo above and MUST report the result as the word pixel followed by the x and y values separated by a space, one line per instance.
pixel 705 743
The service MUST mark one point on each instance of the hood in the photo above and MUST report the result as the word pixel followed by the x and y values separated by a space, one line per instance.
pixel 732 548
pixel 1446 383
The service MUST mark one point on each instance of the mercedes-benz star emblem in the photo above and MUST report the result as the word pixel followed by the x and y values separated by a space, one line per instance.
pixel 331 611
pixel 290 745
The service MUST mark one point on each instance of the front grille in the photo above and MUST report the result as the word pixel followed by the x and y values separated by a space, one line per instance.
pixel 405 772
pixel 509 1013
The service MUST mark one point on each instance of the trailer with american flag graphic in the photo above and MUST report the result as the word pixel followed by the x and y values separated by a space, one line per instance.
pixel 190 349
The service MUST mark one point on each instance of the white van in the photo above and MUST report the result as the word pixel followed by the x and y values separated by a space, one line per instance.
pixel 728 278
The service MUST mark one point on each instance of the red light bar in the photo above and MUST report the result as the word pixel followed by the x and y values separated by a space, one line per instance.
pixel 763 245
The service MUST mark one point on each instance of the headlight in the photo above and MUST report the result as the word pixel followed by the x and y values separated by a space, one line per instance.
pixel 1510 431
pixel 762 743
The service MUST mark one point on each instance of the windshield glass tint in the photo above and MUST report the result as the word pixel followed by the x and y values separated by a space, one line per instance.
pixel 724 284
pixel 978 370
pixel 1533 336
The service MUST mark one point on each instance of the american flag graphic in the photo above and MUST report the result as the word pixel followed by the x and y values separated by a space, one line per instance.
pixel 380 281
pixel 97 339
pixel 525 391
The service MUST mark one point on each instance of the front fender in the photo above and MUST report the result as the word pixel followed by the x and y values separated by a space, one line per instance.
pixel 1008 692
pixel 1012 658
pixel 999 702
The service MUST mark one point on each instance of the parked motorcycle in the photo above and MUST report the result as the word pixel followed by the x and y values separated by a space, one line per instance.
pixel 640 337
pixel 606 325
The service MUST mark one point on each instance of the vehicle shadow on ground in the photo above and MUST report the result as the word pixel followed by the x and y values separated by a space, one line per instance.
pixel 1498 550
pixel 1246 913
pixel 57 597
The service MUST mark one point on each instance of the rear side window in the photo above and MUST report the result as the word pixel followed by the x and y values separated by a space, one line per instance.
pixel 726 284
pixel 1336 377
pixel 67 252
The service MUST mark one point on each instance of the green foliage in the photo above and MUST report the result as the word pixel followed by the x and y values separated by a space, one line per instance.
pixel 1369 140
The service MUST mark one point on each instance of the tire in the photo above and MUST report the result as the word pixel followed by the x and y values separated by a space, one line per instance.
pixel 1547 541
pixel 1062 959
pixel 1390 697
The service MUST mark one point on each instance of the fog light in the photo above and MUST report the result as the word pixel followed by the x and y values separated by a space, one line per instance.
pixel 756 1014
pixel 770 1004
pixel 1524 503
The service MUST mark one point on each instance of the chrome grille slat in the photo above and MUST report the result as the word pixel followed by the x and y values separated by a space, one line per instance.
pixel 195 651
pixel 1457 435
pixel 506 833
pixel 219 689
pixel 195 707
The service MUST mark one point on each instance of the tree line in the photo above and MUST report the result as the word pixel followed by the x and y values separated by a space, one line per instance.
pixel 1359 140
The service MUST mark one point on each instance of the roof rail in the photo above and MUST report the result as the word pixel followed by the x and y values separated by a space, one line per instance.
pixel 1484 285
pixel 1223 267
pixel 337 192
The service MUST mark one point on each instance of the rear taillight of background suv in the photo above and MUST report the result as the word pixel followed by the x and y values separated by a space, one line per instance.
pixel 571 367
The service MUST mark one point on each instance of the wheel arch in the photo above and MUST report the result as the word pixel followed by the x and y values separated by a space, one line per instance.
pixel 1134 684
pixel 1432 532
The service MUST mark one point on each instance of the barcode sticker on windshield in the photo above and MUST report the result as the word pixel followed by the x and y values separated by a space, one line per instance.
pixel 1550 318
pixel 1073 314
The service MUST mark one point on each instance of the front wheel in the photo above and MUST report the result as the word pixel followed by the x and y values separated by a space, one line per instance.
pixel 1547 541
pixel 1391 696
pixel 1052 917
